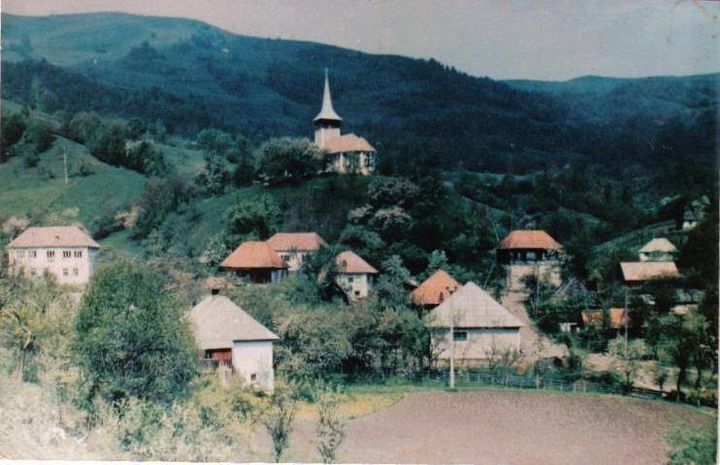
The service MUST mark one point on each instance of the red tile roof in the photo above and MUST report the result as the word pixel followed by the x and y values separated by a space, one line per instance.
pixel 54 236
pixel 529 239
pixel 253 254
pixel 435 289
pixel 348 143
pixel 350 262
pixel 646 271
pixel 296 241
pixel 618 317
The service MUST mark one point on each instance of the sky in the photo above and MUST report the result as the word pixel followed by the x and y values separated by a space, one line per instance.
pixel 502 39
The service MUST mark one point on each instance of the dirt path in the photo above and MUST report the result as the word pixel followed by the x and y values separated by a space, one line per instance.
pixel 509 428
pixel 530 337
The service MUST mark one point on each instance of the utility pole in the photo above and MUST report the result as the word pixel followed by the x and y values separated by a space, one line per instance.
pixel 65 164
pixel 452 352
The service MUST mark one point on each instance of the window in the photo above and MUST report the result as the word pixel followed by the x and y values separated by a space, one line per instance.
pixel 20 254
pixel 253 377
pixel 350 279
pixel 78 254
pixel 32 253
pixel 460 336
pixel 50 255
pixel 75 271
pixel 66 272
pixel 67 253
pixel 357 293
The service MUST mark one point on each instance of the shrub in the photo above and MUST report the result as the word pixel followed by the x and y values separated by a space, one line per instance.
pixel 330 427
pixel 693 447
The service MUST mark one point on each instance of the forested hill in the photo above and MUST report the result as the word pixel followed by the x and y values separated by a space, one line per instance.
pixel 191 76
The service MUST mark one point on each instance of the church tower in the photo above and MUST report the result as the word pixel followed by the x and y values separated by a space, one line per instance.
pixel 327 122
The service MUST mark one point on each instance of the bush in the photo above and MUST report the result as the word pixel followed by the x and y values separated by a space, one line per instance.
pixel 132 339
pixel 285 158
pixel 39 133
pixel 693 447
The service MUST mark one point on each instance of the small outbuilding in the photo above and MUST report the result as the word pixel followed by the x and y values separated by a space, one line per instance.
pixel 473 326
pixel 257 262
pixel 435 289
pixel 229 337
pixel 354 275
pixel 294 247
pixel 658 250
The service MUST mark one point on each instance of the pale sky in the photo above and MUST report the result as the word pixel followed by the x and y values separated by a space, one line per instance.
pixel 502 39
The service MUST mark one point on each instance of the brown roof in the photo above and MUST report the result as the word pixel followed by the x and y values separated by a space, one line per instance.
pixel 217 322
pixel 471 307
pixel 618 317
pixel 435 289
pixel 645 271
pixel 348 143
pixel 253 254
pixel 350 262
pixel 296 241
pixel 55 236
pixel 529 239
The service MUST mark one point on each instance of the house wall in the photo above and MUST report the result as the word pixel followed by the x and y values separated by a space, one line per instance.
pixel 340 163
pixel 356 285
pixel 34 261
pixel 293 258
pixel 479 345
pixel 253 362
pixel 657 256
pixel 548 271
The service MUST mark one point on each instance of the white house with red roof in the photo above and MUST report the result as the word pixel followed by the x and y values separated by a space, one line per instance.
pixel 354 275
pixel 294 247
pixel 255 261
pixel 347 153
pixel 526 252
pixel 68 252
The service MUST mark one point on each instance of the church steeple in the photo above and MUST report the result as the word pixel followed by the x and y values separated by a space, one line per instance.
pixel 327 112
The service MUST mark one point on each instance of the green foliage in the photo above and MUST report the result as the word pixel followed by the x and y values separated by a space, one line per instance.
pixel 160 197
pixel 258 218
pixel 286 158
pixel 330 427
pixel 278 417
pixel 214 178
pixel 39 133
pixel 132 341
pixel 11 131
pixel 693 447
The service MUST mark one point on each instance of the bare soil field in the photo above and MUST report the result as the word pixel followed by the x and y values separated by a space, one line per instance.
pixel 532 428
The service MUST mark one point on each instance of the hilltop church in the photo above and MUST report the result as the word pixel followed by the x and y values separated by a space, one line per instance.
pixel 347 153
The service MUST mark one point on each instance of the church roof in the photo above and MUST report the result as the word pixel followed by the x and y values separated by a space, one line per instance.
pixel 471 307
pixel 348 143
pixel 327 112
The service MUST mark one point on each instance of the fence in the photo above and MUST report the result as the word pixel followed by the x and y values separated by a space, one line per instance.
pixel 513 381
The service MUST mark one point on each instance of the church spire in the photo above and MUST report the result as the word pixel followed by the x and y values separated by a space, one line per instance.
pixel 327 113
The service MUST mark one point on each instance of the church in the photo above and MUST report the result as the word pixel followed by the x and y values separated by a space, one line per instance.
pixel 346 153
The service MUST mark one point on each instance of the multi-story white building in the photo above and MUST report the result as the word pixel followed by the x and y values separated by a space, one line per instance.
pixel 294 247
pixel 68 252
pixel 354 275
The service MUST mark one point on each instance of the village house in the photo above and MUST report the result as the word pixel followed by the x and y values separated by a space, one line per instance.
pixel 638 273
pixel 434 290
pixel 530 253
pixel 617 319
pixel 294 247
pixel 354 275
pixel 658 250
pixel 257 262
pixel 231 339
pixel 471 327
pixel 348 153
pixel 68 252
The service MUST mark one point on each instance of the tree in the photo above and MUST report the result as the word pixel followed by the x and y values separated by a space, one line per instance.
pixel 286 158
pixel 132 339
pixel 330 427
pixel 278 418
pixel 108 144
pixel 257 218
pixel 214 178
pixel 12 129
pixel 39 133
pixel 160 197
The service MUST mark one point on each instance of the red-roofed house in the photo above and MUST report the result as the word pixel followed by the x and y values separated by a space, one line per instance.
pixel 354 275
pixel 530 252
pixel 347 153
pixel 256 261
pixel 294 247
pixel 434 290
pixel 617 318
pixel 68 252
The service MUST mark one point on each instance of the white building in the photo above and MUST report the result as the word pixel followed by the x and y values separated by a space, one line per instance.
pixel 471 326
pixel 347 153
pixel 229 337
pixel 354 275
pixel 294 247
pixel 658 250
pixel 68 252
pixel 526 253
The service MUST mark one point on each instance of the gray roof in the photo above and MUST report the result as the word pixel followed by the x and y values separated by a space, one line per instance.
pixel 217 322
pixel 327 112
pixel 471 307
